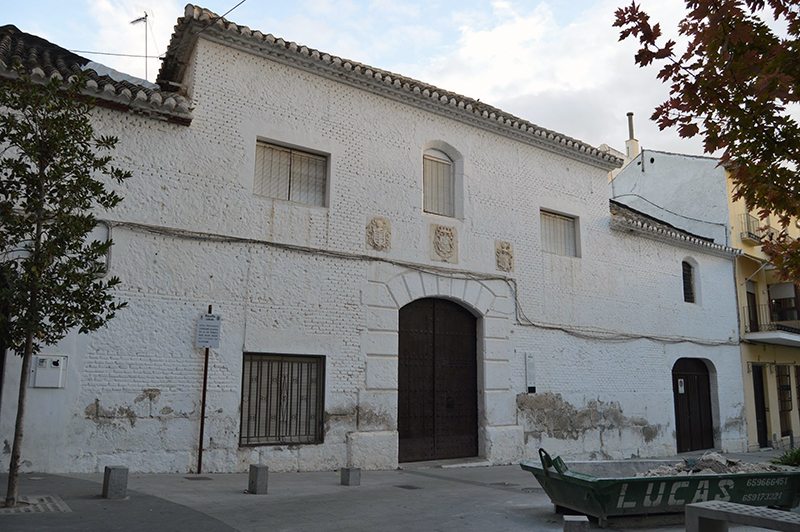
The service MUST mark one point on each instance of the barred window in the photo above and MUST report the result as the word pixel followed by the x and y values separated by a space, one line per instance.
pixel 438 183
pixel 282 399
pixel 784 397
pixel 558 234
pixel 688 282
pixel 290 175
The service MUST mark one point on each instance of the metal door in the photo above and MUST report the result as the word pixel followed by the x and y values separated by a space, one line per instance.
pixel 692 391
pixel 437 381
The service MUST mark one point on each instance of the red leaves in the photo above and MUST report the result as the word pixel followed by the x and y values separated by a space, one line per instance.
pixel 733 85
pixel 688 130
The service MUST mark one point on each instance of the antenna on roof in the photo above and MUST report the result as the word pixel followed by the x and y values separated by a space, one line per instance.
pixel 143 19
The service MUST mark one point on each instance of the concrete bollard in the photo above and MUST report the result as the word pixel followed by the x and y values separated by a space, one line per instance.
pixel 257 483
pixel 115 482
pixel 350 476
pixel 576 523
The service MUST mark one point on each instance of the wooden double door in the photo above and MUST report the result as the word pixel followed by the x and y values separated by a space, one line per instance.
pixel 438 381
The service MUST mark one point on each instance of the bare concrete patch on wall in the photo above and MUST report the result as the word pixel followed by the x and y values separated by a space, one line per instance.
pixel 547 414
pixel 105 416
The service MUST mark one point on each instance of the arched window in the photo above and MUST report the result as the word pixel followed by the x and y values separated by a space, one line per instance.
pixel 438 183
pixel 688 282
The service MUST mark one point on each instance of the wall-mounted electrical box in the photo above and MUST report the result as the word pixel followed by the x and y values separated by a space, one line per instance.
pixel 48 371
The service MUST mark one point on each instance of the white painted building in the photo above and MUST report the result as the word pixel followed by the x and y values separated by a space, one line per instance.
pixel 686 191
pixel 358 231
pixel 696 194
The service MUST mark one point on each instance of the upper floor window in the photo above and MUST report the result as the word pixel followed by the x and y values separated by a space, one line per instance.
pixel 290 175
pixel 688 282
pixel 438 183
pixel 558 234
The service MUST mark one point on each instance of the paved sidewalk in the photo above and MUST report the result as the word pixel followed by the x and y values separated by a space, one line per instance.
pixel 497 498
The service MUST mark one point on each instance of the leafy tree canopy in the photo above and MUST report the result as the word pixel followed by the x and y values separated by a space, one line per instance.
pixel 736 84
pixel 53 176
pixel 49 185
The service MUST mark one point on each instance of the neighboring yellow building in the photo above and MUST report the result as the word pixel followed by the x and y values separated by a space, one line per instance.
pixel 769 320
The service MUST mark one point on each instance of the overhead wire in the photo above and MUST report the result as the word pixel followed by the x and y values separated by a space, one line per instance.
pixel 521 319
pixel 152 33
pixel 210 24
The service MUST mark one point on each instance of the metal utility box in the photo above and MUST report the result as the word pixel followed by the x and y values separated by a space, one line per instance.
pixel 48 371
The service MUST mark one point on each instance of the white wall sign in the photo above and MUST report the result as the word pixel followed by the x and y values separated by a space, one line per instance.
pixel 530 373
pixel 208 330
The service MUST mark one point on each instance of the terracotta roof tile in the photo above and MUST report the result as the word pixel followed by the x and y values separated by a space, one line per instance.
pixel 625 218
pixel 43 60
pixel 197 20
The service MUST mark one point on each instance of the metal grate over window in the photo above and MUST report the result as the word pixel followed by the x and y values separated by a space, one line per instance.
pixel 282 399
pixel 784 397
pixel 688 282
pixel 438 184
pixel 290 174
pixel 558 234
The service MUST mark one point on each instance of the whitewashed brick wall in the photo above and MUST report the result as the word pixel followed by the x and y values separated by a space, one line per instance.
pixel 134 388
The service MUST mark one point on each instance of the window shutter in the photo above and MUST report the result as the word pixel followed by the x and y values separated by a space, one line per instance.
pixel 558 234
pixel 688 282
pixel 308 179
pixel 272 171
pixel 290 175
pixel 438 185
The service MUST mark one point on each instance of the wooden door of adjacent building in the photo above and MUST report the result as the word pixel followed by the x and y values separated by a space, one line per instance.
pixel 692 391
pixel 437 381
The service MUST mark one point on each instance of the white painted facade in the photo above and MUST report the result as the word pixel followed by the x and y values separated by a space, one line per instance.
pixel 604 329
pixel 686 191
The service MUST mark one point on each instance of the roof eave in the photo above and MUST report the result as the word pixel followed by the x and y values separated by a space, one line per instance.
pixel 675 238
pixel 197 22
pixel 170 109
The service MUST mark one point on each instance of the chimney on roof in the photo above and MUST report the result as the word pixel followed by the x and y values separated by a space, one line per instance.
pixel 631 145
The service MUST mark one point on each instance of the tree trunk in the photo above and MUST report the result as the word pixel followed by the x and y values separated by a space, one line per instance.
pixel 16 451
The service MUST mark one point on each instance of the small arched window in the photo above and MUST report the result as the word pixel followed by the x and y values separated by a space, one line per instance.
pixel 688 282
pixel 438 183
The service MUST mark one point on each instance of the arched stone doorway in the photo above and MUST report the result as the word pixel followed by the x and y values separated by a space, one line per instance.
pixel 691 385
pixel 437 381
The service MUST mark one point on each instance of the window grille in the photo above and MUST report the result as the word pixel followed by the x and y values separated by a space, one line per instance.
pixel 438 184
pixel 688 282
pixel 784 397
pixel 282 399
pixel 558 234
pixel 290 174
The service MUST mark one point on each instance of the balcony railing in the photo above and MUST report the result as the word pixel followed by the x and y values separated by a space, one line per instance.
pixel 754 229
pixel 760 318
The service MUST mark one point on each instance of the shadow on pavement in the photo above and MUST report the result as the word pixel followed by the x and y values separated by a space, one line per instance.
pixel 90 512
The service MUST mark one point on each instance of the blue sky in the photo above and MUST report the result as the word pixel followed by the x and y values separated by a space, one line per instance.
pixel 555 63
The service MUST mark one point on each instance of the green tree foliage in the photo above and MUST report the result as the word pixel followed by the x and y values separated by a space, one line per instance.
pixel 735 84
pixel 54 173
